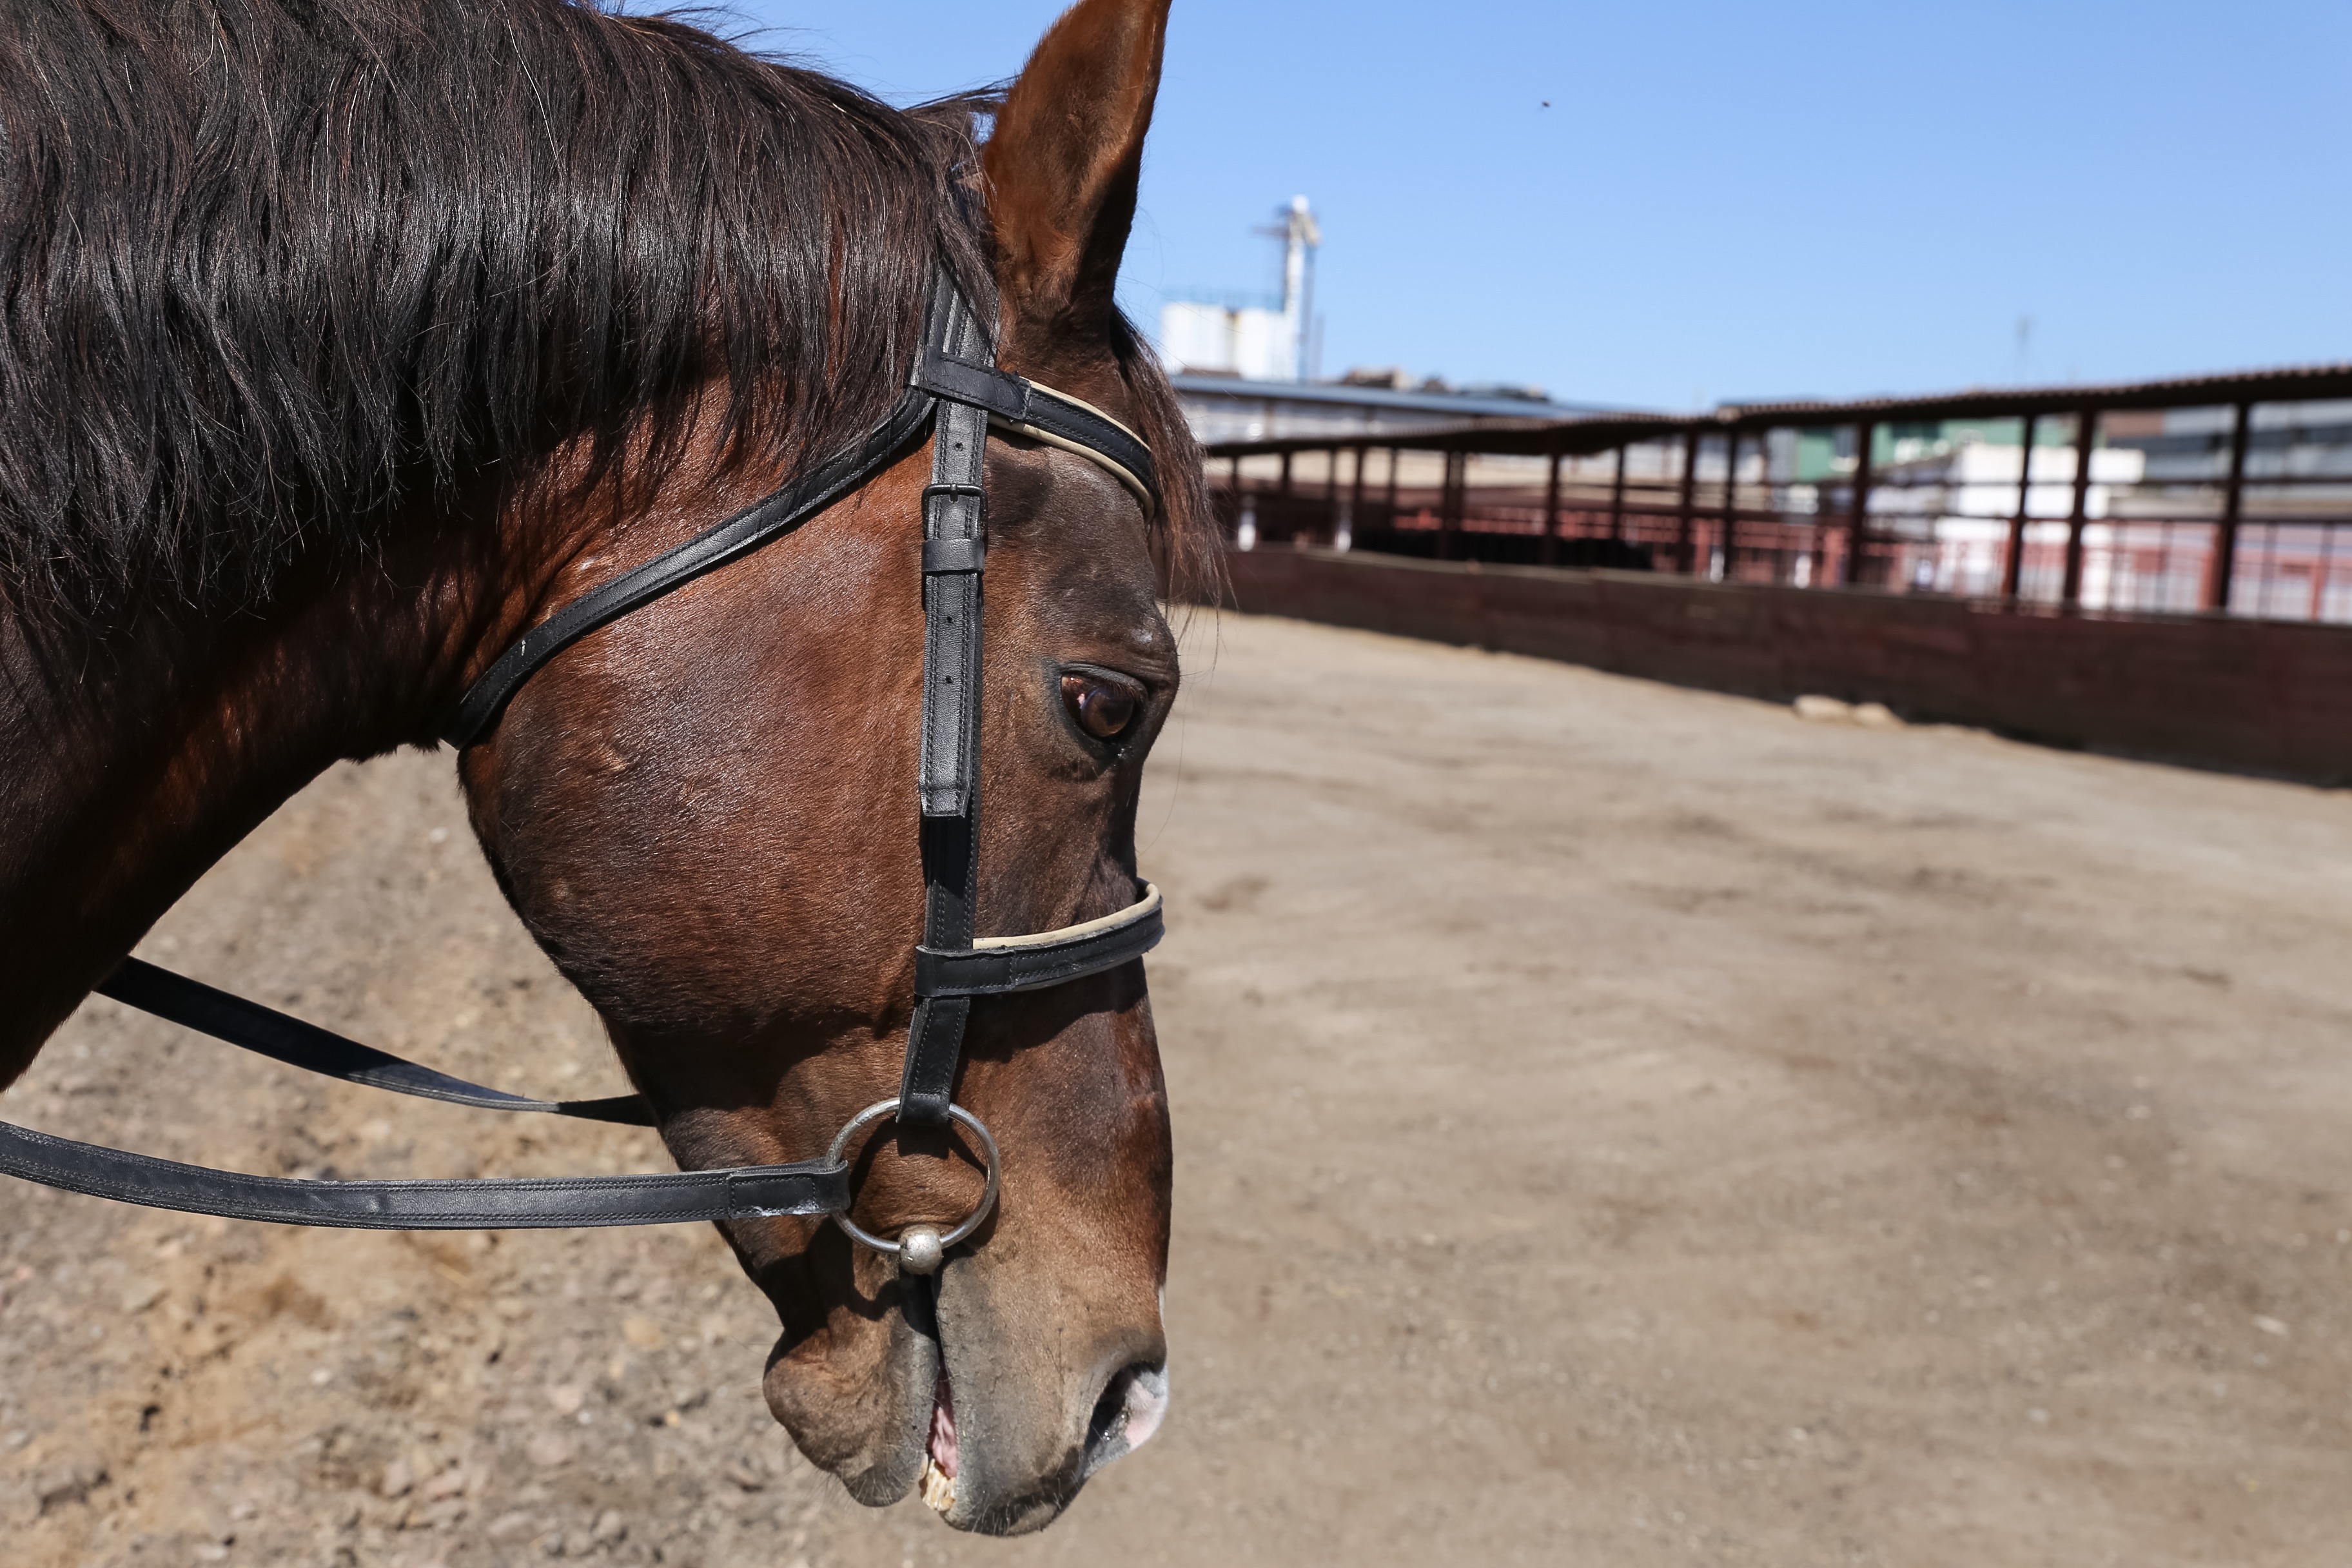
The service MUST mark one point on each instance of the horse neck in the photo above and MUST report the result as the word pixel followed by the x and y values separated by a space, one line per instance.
pixel 131 759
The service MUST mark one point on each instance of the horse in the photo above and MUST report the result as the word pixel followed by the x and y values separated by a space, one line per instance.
pixel 344 341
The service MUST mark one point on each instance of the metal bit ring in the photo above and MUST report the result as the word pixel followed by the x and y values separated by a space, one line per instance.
pixel 923 1253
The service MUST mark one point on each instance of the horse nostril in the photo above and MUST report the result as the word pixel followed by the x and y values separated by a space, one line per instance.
pixel 1127 1414
pixel 1109 1418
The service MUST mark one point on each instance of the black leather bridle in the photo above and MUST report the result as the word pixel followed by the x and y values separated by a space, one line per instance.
pixel 955 388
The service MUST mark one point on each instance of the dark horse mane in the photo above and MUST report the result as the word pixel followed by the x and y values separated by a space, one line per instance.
pixel 272 269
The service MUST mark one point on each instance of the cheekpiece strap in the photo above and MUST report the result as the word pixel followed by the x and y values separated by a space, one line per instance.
pixel 955 553
pixel 954 547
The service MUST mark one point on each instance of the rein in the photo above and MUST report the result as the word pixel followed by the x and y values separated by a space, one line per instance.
pixel 957 390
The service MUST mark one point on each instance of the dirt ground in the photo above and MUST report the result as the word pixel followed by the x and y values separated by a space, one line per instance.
pixel 1615 1125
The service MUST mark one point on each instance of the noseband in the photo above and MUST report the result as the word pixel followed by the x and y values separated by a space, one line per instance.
pixel 956 389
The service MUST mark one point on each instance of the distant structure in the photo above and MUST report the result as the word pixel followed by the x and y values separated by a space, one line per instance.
pixel 1225 408
pixel 2218 494
pixel 1230 337
pixel 1243 366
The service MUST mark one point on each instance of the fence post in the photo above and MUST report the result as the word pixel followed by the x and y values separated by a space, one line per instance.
pixel 1450 505
pixel 1550 553
pixel 1685 550
pixel 1858 523
pixel 2086 432
pixel 1617 499
pixel 1354 500
pixel 1331 495
pixel 1395 454
pixel 1730 502
pixel 2225 536
pixel 2012 569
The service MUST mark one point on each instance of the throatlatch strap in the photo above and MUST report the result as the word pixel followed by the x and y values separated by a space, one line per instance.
pixel 762 522
pixel 265 1031
pixel 955 550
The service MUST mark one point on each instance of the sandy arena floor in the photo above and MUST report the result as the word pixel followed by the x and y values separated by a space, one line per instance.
pixel 1615 1125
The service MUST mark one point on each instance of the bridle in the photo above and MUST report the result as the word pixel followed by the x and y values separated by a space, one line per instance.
pixel 957 390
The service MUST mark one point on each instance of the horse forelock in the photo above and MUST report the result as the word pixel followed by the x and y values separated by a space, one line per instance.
pixel 272 270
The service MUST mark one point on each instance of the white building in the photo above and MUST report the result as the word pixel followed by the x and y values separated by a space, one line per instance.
pixel 1254 343
pixel 1245 340
pixel 1960 501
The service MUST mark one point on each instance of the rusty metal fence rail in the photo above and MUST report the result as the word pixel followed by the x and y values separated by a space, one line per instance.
pixel 2219 494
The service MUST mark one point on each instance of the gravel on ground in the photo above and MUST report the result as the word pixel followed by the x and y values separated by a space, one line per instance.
pixel 1615 1125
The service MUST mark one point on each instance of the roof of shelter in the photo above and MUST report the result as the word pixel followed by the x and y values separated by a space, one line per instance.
pixel 1604 432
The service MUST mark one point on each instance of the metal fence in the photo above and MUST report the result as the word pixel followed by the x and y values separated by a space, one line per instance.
pixel 2216 494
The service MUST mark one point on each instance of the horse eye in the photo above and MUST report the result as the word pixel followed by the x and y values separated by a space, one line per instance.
pixel 1102 710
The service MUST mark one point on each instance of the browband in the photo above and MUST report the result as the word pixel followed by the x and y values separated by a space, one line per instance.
pixel 1033 409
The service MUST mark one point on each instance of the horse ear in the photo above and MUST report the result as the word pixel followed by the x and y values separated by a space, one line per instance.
pixel 1061 166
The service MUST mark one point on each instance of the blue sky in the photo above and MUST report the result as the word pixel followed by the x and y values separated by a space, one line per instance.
pixel 1727 201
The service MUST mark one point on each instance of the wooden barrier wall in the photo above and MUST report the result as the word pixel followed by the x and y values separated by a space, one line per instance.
pixel 2264 696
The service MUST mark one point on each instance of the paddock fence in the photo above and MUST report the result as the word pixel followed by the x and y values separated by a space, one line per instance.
pixel 2159 569
pixel 2223 494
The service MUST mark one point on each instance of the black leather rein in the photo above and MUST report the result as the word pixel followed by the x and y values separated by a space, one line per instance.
pixel 956 389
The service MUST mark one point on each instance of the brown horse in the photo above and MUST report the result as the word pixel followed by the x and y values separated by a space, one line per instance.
pixel 342 341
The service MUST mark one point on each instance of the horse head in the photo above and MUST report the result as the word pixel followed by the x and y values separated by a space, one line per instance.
pixel 708 815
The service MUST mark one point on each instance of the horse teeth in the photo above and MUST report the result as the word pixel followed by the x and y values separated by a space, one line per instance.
pixel 938 1487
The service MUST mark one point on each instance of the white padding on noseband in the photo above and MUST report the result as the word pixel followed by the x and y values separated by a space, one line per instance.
pixel 1141 910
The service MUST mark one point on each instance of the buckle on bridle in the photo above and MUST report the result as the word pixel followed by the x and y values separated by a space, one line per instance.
pixel 953 495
